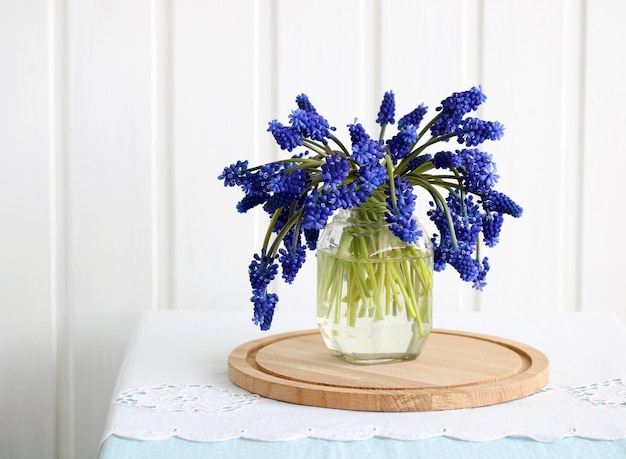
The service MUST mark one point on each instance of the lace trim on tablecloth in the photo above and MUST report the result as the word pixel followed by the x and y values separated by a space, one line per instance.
pixel 188 412
pixel 190 398
pixel 196 398
pixel 607 393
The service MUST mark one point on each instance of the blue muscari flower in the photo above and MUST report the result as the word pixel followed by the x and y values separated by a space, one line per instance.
pixel 291 259
pixel 234 174
pixel 494 201
pixel 371 176
pixel 346 196
pixel 364 149
pixel 311 235
pixel 307 122
pixel 466 219
pixel 343 196
pixel 257 186
pixel 492 224
pixel 289 180
pixel 459 258
pixel 316 128
pixel 260 180
pixel 478 170
pixel 281 199
pixel 400 144
pixel 454 108
pixel 316 211
pixel 251 200
pixel 446 160
pixel 286 137
pixel 400 208
pixel 262 270
pixel 387 109
pixel 418 161
pixel 474 131
pixel 298 120
pixel 264 305
pixel 367 152
pixel 444 238
pixel 305 104
pixel 483 269
pixel 414 118
pixel 464 264
pixel 334 170
pixel 357 132
pixel 467 224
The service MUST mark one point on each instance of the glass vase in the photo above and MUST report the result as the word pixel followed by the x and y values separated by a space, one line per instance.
pixel 374 291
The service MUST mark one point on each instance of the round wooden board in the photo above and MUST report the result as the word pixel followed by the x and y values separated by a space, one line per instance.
pixel 456 370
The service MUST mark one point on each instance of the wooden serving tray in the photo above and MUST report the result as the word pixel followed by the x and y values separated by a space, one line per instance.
pixel 456 370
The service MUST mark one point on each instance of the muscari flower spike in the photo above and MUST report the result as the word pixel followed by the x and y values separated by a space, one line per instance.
pixel 387 109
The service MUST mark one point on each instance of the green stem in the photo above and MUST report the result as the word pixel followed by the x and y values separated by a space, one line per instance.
pixel 441 202
pixel 273 250
pixel 381 136
pixel 268 233
pixel 392 182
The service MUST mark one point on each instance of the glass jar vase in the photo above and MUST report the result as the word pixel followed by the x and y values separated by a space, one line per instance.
pixel 374 291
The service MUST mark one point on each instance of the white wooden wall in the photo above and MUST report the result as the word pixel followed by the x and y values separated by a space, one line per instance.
pixel 116 117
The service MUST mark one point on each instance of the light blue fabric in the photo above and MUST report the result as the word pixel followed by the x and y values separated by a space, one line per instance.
pixel 379 448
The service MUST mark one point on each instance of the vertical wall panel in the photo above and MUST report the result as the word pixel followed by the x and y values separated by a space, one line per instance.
pixel 604 220
pixel 109 193
pixel 425 52
pixel 57 46
pixel 161 101
pixel 568 203
pixel 213 84
pixel 27 372
pixel 324 55
pixel 523 78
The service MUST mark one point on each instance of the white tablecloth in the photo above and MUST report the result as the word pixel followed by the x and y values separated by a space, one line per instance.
pixel 174 383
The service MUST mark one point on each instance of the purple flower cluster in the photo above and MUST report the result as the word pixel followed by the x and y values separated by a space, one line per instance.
pixel 301 193
pixel 400 145
pixel 364 150
pixel 414 118
pixel 455 245
pixel 454 108
pixel 477 169
pixel 387 109
pixel 305 122
pixel 400 208
pixel 334 170
pixel 474 131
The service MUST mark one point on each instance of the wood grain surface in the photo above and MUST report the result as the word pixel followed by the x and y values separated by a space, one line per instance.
pixel 455 370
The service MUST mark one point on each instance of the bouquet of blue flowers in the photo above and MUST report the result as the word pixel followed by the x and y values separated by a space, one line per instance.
pixel 301 192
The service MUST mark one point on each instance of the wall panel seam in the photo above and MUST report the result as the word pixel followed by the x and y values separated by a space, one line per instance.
pixel 473 73
pixel 580 159
pixel 58 205
pixel 571 155
pixel 160 155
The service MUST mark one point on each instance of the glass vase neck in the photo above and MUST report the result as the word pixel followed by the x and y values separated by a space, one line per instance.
pixel 371 212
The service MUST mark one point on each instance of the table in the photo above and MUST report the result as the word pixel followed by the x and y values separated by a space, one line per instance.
pixel 173 397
